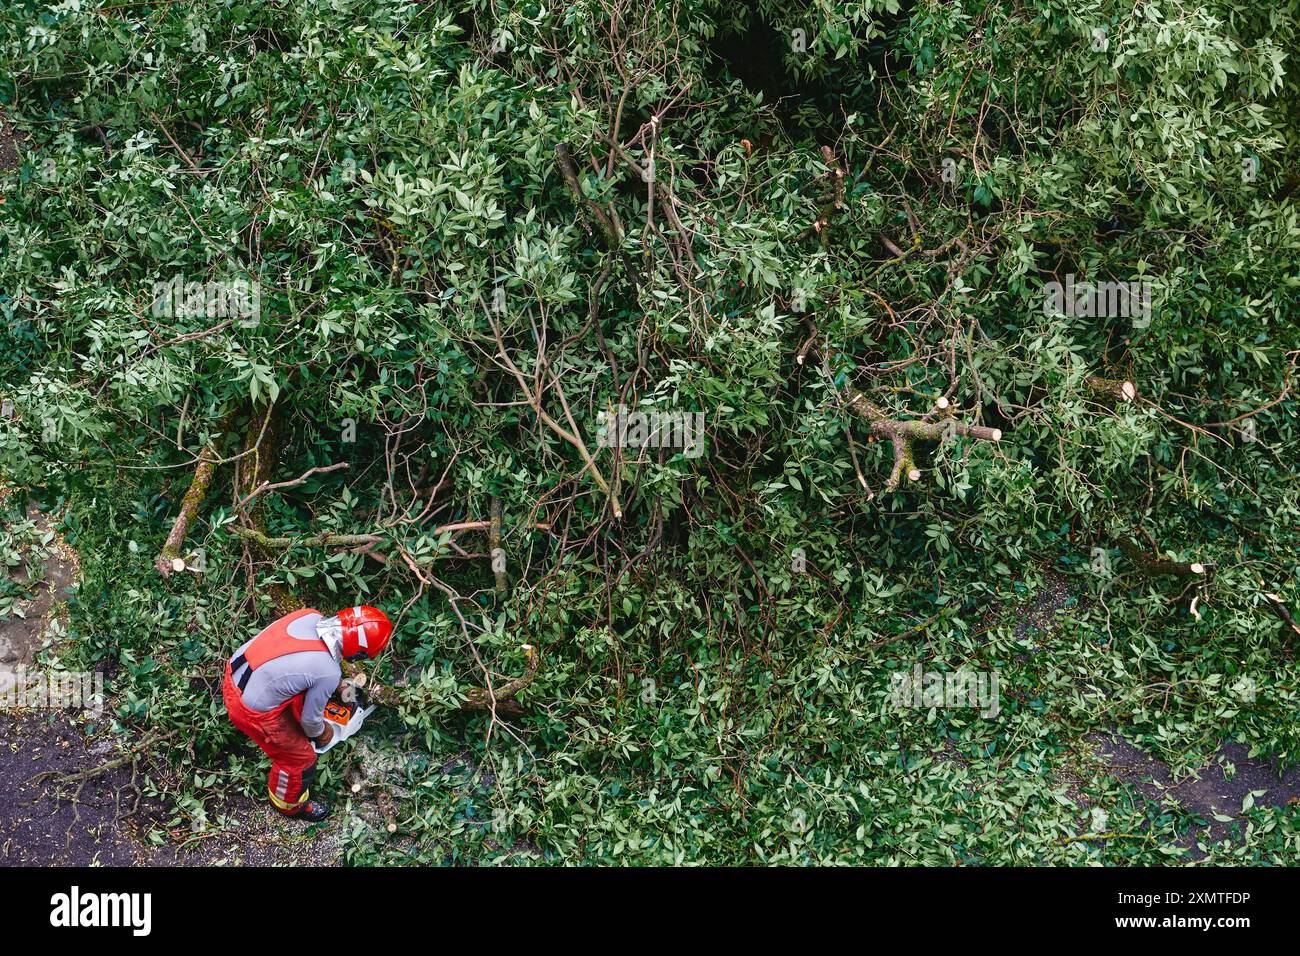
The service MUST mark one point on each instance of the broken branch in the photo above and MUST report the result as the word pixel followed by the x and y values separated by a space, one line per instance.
pixel 490 698
pixel 263 540
pixel 280 485
pixel 902 434
pixel 169 559
pixel 1112 388
pixel 1280 609
pixel 1159 565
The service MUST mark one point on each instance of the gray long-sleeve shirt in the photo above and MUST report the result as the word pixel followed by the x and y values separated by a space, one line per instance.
pixel 313 670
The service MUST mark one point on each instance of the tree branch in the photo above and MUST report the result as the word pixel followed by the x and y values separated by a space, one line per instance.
pixel 279 485
pixel 1156 565
pixel 169 559
pixel 491 698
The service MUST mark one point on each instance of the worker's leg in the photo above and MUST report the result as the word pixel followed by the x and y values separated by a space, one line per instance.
pixel 293 763
pixel 280 738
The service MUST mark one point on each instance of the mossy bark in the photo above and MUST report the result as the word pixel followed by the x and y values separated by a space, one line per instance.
pixel 261 449
pixel 494 549
pixel 1154 565
pixel 501 699
pixel 190 504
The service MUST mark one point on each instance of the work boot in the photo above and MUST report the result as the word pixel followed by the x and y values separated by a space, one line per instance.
pixel 313 811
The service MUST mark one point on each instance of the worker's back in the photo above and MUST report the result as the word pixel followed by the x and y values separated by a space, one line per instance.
pixel 311 672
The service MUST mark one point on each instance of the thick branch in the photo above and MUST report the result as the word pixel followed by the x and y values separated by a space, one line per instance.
pixel 1280 609
pixel 903 433
pixel 261 444
pixel 494 547
pixel 331 540
pixel 834 201
pixel 1111 388
pixel 608 227
pixel 491 698
pixel 498 701
pixel 263 540
pixel 169 559
pixel 1155 565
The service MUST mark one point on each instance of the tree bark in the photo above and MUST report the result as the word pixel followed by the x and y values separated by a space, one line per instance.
pixel 491 699
pixel 1155 565
pixel 1284 614
pixel 497 700
pixel 1112 388
pixel 261 447
pixel 494 548
pixel 169 559
pixel 903 433
pixel 267 543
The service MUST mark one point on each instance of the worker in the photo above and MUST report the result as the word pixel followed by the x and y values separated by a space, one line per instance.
pixel 277 686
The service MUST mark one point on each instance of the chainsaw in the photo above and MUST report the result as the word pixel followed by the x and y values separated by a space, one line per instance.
pixel 346 711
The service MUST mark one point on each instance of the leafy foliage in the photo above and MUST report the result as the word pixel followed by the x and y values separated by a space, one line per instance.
pixel 387 173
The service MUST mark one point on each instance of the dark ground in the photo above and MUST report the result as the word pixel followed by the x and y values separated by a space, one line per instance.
pixel 110 822
pixel 1219 788
pixel 8 147
pixel 46 822
pixel 35 830
pixel 21 637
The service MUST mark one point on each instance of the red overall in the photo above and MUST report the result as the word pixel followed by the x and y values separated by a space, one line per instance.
pixel 277 731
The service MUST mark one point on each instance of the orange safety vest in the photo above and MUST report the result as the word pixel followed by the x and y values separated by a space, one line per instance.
pixel 275 641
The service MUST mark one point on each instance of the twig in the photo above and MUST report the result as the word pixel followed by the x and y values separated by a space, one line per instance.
pixel 279 485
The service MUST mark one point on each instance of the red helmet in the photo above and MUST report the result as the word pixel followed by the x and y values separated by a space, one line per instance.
pixel 366 630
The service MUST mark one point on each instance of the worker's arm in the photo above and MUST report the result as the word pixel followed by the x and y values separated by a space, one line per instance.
pixel 318 695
